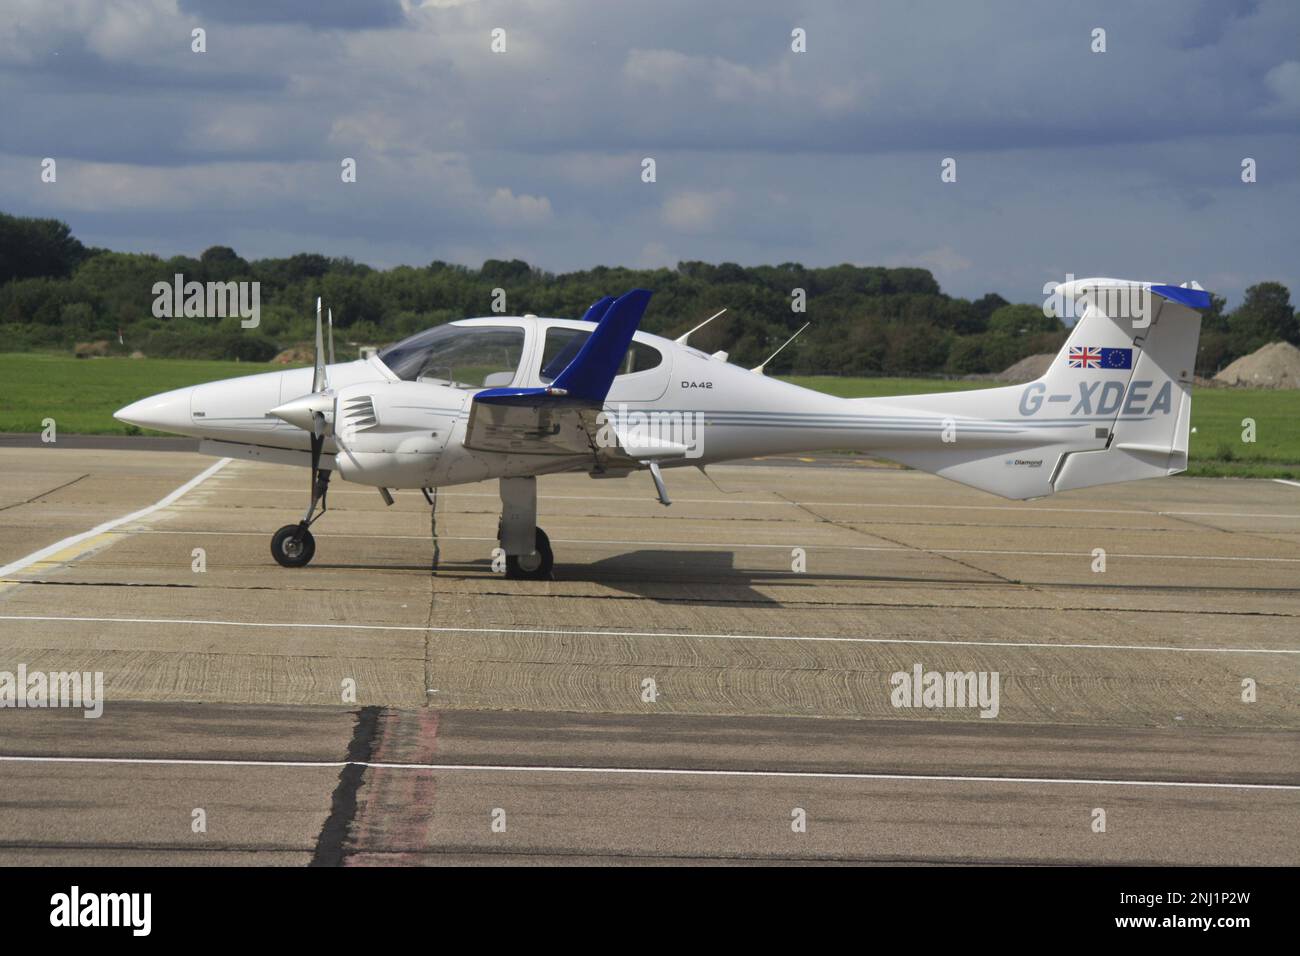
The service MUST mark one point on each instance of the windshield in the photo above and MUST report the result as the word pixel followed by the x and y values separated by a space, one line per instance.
pixel 562 346
pixel 473 356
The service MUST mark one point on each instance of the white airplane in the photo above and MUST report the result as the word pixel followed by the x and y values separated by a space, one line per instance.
pixel 514 398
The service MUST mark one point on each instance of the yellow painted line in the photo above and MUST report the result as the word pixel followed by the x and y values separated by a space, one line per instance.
pixel 71 553
pixel 71 548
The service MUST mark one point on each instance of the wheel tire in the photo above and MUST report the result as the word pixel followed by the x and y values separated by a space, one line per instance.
pixel 293 546
pixel 532 567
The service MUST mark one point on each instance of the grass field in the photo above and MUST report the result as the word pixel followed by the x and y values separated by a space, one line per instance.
pixel 82 394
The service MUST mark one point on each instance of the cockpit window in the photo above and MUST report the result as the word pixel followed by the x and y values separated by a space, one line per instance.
pixel 463 356
pixel 562 345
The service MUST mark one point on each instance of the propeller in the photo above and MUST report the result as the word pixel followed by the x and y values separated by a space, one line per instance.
pixel 313 412
pixel 309 412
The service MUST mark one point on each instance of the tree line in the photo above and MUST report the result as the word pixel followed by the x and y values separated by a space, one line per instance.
pixel 56 292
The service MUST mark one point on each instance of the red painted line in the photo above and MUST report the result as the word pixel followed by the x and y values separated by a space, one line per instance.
pixel 394 809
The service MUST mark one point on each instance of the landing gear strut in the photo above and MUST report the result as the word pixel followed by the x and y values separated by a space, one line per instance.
pixel 527 548
pixel 293 546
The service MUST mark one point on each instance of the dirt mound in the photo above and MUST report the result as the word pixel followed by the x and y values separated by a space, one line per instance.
pixel 1027 369
pixel 296 355
pixel 91 349
pixel 1276 365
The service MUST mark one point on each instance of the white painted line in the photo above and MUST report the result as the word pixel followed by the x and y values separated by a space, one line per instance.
pixel 652 772
pixel 802 543
pixel 1283 481
pixel 1113 554
pixel 555 632
pixel 908 506
pixel 58 546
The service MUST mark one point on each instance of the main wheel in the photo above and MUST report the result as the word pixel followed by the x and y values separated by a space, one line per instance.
pixel 532 567
pixel 293 546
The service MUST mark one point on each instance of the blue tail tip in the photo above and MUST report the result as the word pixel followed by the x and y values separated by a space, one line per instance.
pixel 1197 299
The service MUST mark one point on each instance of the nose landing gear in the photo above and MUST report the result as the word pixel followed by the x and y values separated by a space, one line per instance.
pixel 293 546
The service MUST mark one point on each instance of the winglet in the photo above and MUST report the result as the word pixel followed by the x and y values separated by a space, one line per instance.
pixel 597 310
pixel 591 373
pixel 1197 299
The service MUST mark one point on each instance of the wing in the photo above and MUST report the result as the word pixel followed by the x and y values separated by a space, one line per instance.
pixel 563 419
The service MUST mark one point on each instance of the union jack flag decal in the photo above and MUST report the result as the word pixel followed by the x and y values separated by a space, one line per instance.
pixel 1082 356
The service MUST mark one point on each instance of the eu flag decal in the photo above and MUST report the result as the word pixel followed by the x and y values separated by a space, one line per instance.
pixel 1116 358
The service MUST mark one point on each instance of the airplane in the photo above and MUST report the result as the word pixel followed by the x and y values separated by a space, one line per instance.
pixel 515 398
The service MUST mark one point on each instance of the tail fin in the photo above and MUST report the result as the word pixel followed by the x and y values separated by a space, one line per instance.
pixel 1115 404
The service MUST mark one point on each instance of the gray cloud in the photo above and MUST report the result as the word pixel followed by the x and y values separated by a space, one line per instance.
pixel 321 14
pixel 1123 163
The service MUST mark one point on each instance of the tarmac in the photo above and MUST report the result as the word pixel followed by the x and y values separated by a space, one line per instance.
pixel 714 681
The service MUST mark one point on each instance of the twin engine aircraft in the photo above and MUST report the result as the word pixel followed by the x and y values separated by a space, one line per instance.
pixel 516 398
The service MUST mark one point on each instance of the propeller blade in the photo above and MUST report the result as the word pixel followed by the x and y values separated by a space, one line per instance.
pixel 331 331
pixel 318 377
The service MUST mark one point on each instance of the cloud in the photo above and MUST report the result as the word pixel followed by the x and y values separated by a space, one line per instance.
pixel 764 154
pixel 320 14
pixel 507 209
pixel 692 211
pixel 1283 81
pixel 943 261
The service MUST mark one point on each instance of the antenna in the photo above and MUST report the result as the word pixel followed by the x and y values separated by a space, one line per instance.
pixel 758 369
pixel 681 340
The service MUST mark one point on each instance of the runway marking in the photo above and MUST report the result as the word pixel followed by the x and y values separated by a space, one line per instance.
pixel 802 543
pixel 652 771
pixel 1283 481
pixel 555 632
pixel 71 547
pixel 648 499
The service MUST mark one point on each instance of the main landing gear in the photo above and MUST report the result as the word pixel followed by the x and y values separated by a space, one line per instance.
pixel 527 548
pixel 293 545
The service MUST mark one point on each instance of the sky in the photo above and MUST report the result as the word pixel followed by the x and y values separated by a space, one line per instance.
pixel 1068 161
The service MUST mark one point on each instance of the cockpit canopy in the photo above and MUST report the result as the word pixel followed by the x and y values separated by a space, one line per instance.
pixel 472 354
pixel 463 356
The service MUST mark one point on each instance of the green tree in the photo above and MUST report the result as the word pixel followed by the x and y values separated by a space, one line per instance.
pixel 1264 316
pixel 1022 320
pixel 32 248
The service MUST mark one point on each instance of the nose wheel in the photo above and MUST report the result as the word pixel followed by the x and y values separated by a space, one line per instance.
pixel 293 546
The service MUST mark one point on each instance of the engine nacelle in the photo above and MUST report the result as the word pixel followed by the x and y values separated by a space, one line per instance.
pixel 390 434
